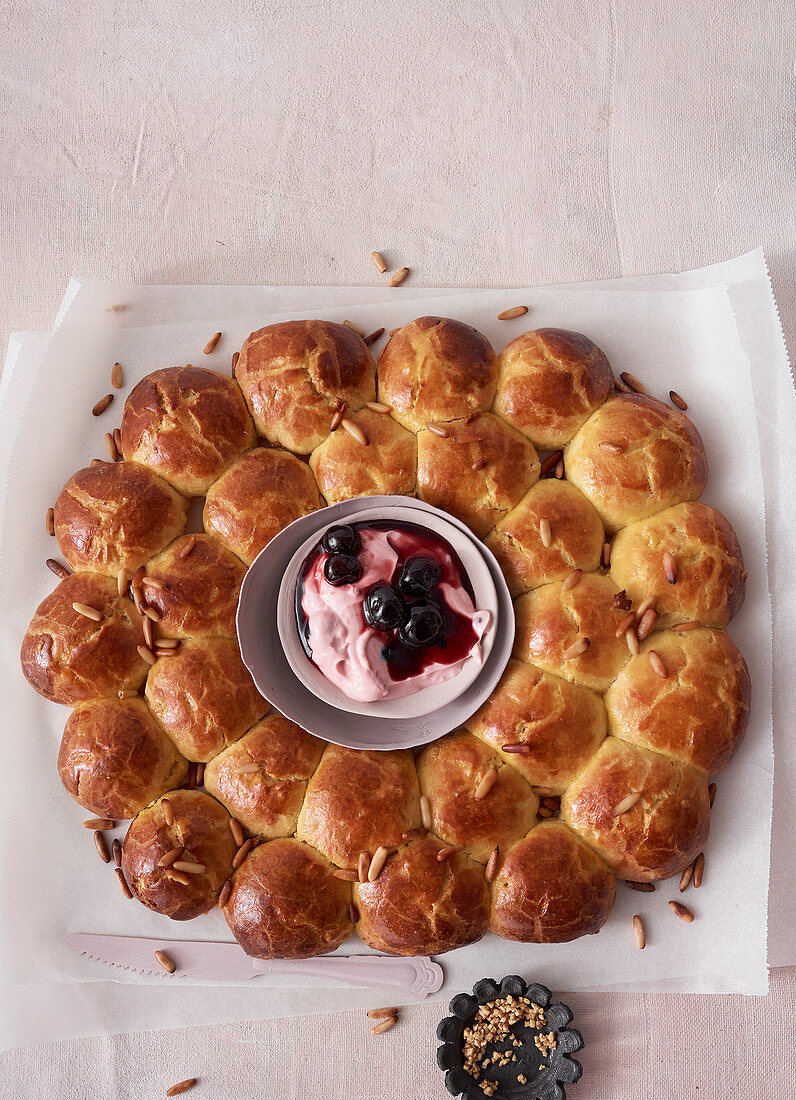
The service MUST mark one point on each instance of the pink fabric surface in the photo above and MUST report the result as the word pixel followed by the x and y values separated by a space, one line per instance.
pixel 484 144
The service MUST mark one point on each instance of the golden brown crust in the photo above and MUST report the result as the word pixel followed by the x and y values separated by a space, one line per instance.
pixel 560 724
pixel 436 369
pixel 201 590
pixel 296 374
pixel 115 758
pixel 699 713
pixel 286 903
pixel 551 380
pixel 576 531
pixel 257 497
pixel 658 836
pixel 551 888
pixel 550 621
pixel 266 801
pixel 421 906
pixel 345 469
pixel 69 658
pixel 187 424
pixel 358 800
pixel 201 828
pixel 710 578
pixel 116 516
pixel 478 472
pixel 662 460
pixel 204 696
pixel 450 771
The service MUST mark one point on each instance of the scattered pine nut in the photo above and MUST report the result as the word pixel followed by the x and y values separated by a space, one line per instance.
pixel 242 852
pixel 605 556
pixel 644 606
pixel 110 443
pixel 425 811
pixel 382 1013
pixel 542 791
pixel 550 462
pixel 378 407
pixel 153 582
pixel 627 803
pixel 117 377
pixel 146 654
pixel 712 793
pixel 121 582
pixel 87 612
pixel 246 769
pixel 50 522
pixel 236 829
pixel 178 876
pixel 437 429
pixel 633 382
pixel 235 358
pixel 572 580
pixel 56 567
pixel 638 929
pixel 642 887
pixel 373 337
pixel 353 914
pixel 346 876
pixel 447 853
pixel 212 343
pixel 632 641
pixel 102 405
pixel 152 614
pixel 379 262
pixel 101 845
pixel 377 863
pixel 677 400
pixel 363 866
pixel 552 803
pixel 116 849
pixel 99 823
pixel 681 911
pixel 543 811
pixel 685 878
pixel 657 664
pixel 393 331
pixel 487 783
pixel 128 893
pixel 510 314
pixel 560 469
pixel 385 1025
pixel 479 464
pixel 200 773
pixel 491 867
pixel 359 331
pixel 187 547
pixel 399 276
pixel 545 534
pixel 612 448
pixel 647 623
pixel 414 834
pixel 117 439
pixel 516 747
pixel 355 431
pixel 168 811
pixel 188 867
pixel 165 961
pixel 699 870
pixel 669 568
pixel 181 1086
pixel 169 858
pixel 577 649
pixel 681 628
pixel 138 577
pixel 337 419
pixel 223 896
pixel 625 625
pixel 149 636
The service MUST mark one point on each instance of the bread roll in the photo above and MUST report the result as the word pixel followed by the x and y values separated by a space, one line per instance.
pixel 551 888
pixel 116 516
pixel 69 658
pixel 266 801
pixel 551 621
pixel 636 456
pixel 710 578
pixel 295 375
pixel 699 713
pixel 201 588
pixel 201 829
pixel 204 696
pixel 287 904
pixel 478 472
pixel 436 369
pixel 656 837
pixel 187 424
pixel 420 905
pixel 115 759
pixel 560 725
pixel 576 536
pixel 358 800
pixel 387 465
pixel 257 497
pixel 450 771
pixel 550 382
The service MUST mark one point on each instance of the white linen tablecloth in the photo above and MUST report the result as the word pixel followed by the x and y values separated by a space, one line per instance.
pixel 482 143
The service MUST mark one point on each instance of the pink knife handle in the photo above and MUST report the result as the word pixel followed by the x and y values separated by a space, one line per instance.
pixel 419 976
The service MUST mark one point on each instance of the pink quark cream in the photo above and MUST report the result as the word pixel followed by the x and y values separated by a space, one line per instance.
pixel 391 614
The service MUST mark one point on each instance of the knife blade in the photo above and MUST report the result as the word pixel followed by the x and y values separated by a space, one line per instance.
pixel 215 961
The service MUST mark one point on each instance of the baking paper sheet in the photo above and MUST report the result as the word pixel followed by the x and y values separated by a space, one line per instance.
pixel 685 340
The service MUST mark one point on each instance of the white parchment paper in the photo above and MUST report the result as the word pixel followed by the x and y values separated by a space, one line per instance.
pixel 687 340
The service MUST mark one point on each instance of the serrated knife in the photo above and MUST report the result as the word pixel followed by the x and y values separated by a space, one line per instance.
pixel 214 961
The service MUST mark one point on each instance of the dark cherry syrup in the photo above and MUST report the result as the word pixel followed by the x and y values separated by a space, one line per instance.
pixel 410 582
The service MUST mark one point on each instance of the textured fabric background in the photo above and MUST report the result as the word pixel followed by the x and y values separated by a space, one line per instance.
pixel 482 143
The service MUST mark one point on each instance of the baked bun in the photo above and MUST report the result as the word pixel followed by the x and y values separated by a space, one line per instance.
pixel 115 759
pixel 699 713
pixel 709 574
pixel 201 582
pixel 69 658
pixel 257 497
pixel 550 382
pixel 656 837
pixel 436 369
pixel 576 532
pixel 634 457
pixel 358 800
pixel 267 799
pixel 450 771
pixel 295 375
pixel 551 888
pixel 116 516
pixel 559 725
pixel 187 424
pixel 551 621
pixel 420 905
pixel 478 472
pixel 287 904
pixel 387 465
pixel 201 829
pixel 204 696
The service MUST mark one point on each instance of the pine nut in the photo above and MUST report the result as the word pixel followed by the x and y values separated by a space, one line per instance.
pixel 359 331
pixel 346 876
pixel 379 262
pixel 187 546
pixel 117 377
pixel 486 784
pixel 382 1013
pixel 181 1086
pixel 647 623
pixel 669 568
pixel 491 867
pixel 88 612
pixel 447 853
pixel 644 607
pixel 550 462
pixel 373 337
pixel 657 664
pixel 437 429
pixel 699 870
pixel 168 811
pixel 166 962
pixel 56 567
pixel 510 314
pixel 223 896
pixel 377 863
pixel 116 849
pixel 560 469
pixel 385 1025
pixel 632 381
pixel 102 405
pixel 612 448
pixel 128 893
pixel 632 641
pixel 212 343
pixel 627 803
pixel 146 654
pixel 236 829
pixel 425 811
pixel 353 914
pixel 572 580
pixel 638 929
pixel 110 443
pixel 99 823
pixel 168 859
pixel 577 649
pixel 517 747
pixel 545 534
pixel 642 887
pixel 363 866
pixel 624 626
pixel 101 845
pixel 50 522
pixel 188 867
pixel 605 556
pixel 681 911
pixel 677 400
pixel 685 878
pixel 117 439
pixel 543 811
pixel 378 407
pixel 234 363
pixel 242 852
pixel 138 577
pixel 399 276
pixel 681 628
pixel 355 431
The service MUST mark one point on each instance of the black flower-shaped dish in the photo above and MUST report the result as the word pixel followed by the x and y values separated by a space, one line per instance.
pixel 545 1072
